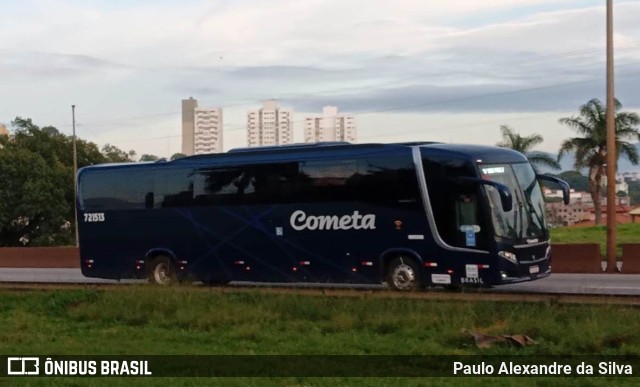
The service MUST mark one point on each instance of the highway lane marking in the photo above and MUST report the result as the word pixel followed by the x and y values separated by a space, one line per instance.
pixel 613 287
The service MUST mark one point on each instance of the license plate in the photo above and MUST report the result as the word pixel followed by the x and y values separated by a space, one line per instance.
pixel 534 269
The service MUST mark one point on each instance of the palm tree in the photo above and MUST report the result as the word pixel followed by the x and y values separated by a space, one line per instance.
pixel 591 149
pixel 515 141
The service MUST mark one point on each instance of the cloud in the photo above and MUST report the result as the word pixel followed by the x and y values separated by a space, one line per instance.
pixel 53 65
pixel 288 73
pixel 124 59
pixel 201 91
pixel 382 57
pixel 479 98
pixel 244 32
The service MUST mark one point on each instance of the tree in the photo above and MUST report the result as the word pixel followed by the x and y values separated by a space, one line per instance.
pixel 148 157
pixel 576 180
pixel 591 148
pixel 176 156
pixel 37 197
pixel 87 153
pixel 50 130
pixel 33 209
pixel 116 155
pixel 53 146
pixel 524 145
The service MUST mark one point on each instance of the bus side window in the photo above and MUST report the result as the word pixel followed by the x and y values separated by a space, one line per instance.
pixel 173 188
pixel 276 183
pixel 328 181
pixel 454 205
pixel 466 220
pixel 466 210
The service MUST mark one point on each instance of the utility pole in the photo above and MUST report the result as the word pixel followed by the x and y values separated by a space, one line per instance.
pixel 75 172
pixel 612 153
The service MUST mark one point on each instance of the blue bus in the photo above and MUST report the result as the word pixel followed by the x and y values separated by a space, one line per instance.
pixel 408 214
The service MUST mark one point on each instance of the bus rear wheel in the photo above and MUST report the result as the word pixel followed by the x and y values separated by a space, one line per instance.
pixel 403 275
pixel 162 271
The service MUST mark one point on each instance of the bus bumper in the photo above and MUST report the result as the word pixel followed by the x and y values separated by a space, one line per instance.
pixel 506 279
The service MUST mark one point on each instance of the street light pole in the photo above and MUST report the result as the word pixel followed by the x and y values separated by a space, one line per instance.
pixel 75 172
pixel 611 146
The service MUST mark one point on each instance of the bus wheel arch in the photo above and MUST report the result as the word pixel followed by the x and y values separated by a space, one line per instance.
pixel 161 268
pixel 402 272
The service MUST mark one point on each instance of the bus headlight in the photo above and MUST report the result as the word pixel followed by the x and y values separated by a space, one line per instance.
pixel 508 256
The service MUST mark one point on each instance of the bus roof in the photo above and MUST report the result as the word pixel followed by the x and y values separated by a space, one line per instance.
pixel 303 145
pixel 290 152
pixel 487 154
pixel 479 153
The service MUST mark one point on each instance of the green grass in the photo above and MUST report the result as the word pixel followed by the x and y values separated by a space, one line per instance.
pixel 139 320
pixel 625 233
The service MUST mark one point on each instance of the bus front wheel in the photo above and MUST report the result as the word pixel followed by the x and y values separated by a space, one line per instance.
pixel 162 271
pixel 403 275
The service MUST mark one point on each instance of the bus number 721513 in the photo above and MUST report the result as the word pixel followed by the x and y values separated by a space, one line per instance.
pixel 94 217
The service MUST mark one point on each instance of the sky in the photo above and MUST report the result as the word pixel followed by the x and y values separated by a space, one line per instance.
pixel 408 70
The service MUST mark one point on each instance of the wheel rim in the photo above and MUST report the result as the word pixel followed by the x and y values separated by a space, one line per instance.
pixel 162 273
pixel 403 277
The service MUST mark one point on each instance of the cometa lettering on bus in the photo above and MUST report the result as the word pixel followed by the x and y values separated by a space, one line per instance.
pixel 301 221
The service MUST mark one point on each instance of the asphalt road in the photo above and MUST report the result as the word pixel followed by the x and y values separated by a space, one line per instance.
pixel 613 284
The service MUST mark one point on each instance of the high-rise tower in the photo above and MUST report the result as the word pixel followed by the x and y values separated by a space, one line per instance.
pixel 269 125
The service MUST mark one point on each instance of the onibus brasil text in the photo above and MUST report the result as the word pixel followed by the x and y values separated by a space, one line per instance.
pixel 52 367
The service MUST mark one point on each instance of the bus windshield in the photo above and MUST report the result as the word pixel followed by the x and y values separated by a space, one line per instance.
pixel 525 222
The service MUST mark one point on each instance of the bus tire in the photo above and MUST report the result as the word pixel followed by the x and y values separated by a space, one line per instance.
pixel 403 274
pixel 162 271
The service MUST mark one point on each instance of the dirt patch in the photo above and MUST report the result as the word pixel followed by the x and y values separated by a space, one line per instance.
pixel 39 257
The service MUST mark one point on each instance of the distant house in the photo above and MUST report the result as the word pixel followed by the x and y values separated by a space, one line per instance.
pixel 560 214
pixel 580 211
pixel 628 176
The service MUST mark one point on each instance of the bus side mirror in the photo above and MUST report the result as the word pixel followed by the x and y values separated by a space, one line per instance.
pixel 563 185
pixel 506 199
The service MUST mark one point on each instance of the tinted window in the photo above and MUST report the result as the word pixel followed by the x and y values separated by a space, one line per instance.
pixel 275 183
pixel 172 188
pixel 454 203
pixel 527 217
pixel 383 181
pixel 115 189
pixel 388 181
pixel 247 184
pixel 534 201
pixel 220 185
pixel 328 181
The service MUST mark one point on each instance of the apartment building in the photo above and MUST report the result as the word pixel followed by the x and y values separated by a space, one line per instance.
pixel 208 130
pixel 330 127
pixel 269 125
pixel 202 128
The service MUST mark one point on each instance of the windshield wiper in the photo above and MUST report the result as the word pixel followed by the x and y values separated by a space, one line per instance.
pixel 519 219
pixel 532 210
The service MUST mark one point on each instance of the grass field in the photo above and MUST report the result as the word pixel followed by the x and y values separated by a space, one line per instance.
pixel 141 320
pixel 626 233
